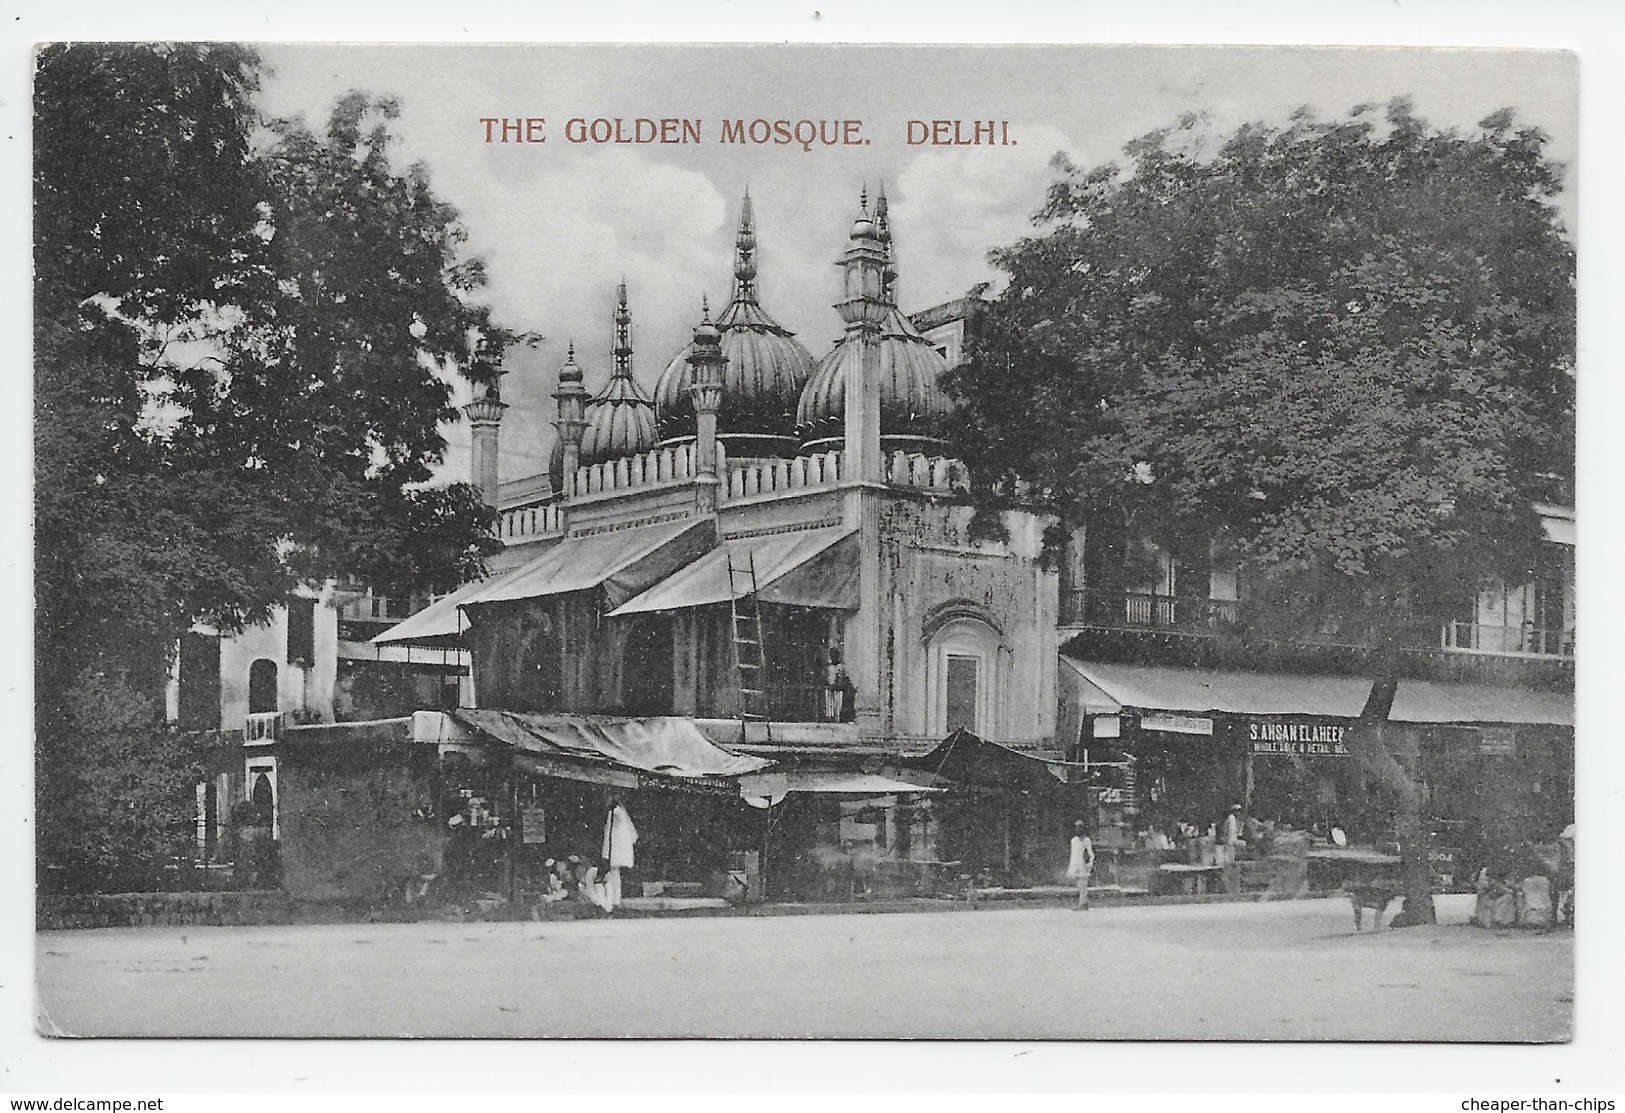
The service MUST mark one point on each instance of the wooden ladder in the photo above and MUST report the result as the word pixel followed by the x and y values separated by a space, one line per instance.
pixel 750 652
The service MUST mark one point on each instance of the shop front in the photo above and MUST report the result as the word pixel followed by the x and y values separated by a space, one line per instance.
pixel 1005 816
pixel 524 792
pixel 1174 752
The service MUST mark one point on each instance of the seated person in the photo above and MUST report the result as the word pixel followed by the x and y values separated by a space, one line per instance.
pixel 556 881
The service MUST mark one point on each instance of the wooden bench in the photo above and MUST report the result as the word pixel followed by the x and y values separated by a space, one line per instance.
pixel 1191 880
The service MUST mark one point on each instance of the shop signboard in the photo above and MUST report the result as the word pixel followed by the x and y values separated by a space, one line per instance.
pixel 1176 724
pixel 1498 741
pixel 689 784
pixel 533 824
pixel 1445 863
pixel 1300 739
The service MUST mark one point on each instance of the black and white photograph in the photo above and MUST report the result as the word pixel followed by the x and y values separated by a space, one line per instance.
pixel 805 541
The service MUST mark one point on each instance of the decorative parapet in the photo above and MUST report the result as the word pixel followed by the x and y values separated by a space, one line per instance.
pixel 742 479
pixel 936 473
pixel 764 477
pixel 526 522
pixel 662 465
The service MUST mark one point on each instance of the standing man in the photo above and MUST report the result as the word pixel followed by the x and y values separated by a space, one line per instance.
pixel 1082 863
pixel 619 837
pixel 1230 834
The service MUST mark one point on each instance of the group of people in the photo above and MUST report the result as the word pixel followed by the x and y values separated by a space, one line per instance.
pixel 1529 885
pixel 595 881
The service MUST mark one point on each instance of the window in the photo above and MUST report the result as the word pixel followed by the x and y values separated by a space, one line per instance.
pixel 262 686
pixel 963 682
pixel 301 632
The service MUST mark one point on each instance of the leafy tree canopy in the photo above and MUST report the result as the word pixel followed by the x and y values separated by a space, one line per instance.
pixel 1349 343
pixel 243 338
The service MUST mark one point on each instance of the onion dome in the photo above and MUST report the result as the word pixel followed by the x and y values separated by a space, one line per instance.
pixel 766 371
pixel 913 403
pixel 620 418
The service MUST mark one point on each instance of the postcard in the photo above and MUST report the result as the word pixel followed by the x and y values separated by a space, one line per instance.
pixel 805 542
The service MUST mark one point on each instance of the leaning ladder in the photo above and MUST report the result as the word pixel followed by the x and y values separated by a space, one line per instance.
pixel 750 653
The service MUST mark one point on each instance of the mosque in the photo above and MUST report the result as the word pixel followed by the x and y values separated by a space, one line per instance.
pixel 775 547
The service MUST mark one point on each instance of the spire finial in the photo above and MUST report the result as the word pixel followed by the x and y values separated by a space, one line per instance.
pixel 745 254
pixel 863 198
pixel 623 335
pixel 884 235
pixel 705 307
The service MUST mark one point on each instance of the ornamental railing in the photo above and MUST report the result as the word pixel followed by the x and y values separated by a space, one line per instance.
pixel 1144 610
pixel 262 727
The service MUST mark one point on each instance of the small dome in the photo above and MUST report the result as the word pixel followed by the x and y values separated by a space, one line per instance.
pixel 913 403
pixel 570 372
pixel 618 424
pixel 766 371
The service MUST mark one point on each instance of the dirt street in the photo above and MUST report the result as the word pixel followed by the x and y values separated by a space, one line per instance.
pixel 1286 970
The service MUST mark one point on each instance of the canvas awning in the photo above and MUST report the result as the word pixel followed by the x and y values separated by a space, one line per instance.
pixel 974 762
pixel 441 623
pixel 623 561
pixel 804 568
pixel 669 745
pixel 852 784
pixel 1106 687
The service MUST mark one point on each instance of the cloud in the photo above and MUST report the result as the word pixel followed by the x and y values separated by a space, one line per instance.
pixel 992 193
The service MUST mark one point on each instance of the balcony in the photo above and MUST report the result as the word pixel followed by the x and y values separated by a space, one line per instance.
pixel 1164 629
pixel 261 728
pixel 1143 610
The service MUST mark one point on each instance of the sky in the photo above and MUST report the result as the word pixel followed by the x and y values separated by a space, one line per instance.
pixel 559 224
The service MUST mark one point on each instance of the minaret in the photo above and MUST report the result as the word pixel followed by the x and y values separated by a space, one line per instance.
pixel 485 416
pixel 705 388
pixel 571 424
pixel 864 309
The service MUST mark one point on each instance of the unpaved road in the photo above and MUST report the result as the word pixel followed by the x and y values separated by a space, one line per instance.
pixel 1286 970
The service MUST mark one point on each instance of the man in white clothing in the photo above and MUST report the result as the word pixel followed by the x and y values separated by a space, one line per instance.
pixel 1082 863
pixel 619 838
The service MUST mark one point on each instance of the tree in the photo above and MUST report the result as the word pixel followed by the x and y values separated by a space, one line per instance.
pixel 243 337
pixel 1349 344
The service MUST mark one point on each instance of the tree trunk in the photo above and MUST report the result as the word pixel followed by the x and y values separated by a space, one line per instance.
pixel 1368 740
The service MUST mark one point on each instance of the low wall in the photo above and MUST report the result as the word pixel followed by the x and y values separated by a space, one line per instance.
pixel 260 906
